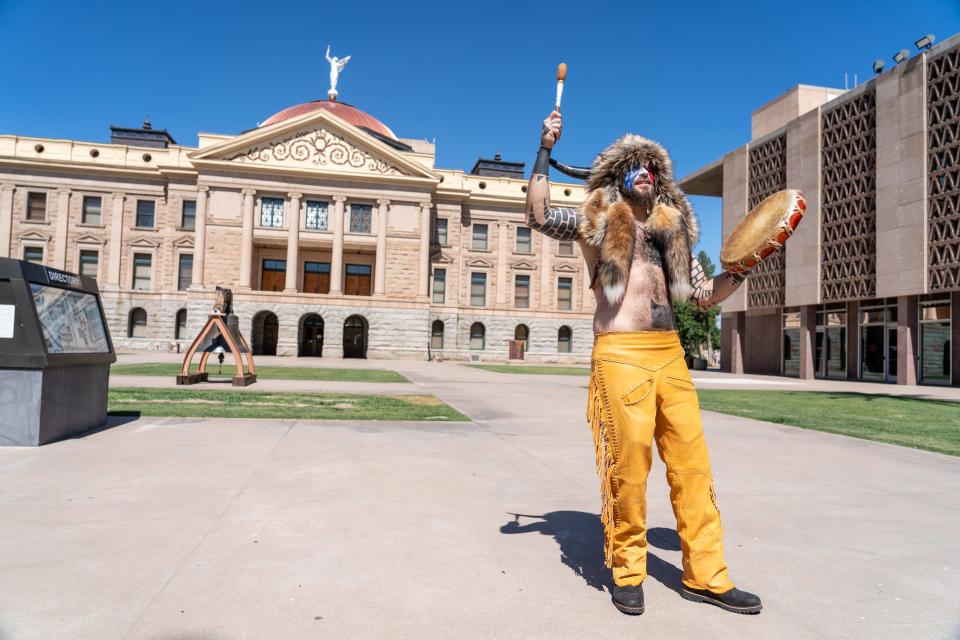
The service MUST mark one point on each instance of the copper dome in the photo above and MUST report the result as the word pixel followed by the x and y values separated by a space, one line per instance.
pixel 342 110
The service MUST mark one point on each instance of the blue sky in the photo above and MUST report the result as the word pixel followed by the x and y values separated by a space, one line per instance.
pixel 476 77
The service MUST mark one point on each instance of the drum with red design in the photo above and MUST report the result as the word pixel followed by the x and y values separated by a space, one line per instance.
pixel 762 231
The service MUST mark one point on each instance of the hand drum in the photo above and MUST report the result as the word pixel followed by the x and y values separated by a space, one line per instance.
pixel 762 231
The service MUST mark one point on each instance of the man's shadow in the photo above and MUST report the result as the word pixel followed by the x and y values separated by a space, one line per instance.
pixel 580 536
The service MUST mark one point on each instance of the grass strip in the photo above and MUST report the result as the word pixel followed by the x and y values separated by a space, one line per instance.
pixel 533 370
pixel 186 403
pixel 171 369
pixel 933 425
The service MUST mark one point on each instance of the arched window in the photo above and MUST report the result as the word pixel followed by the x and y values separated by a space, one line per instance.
pixel 478 335
pixel 522 333
pixel 564 340
pixel 137 323
pixel 181 329
pixel 436 335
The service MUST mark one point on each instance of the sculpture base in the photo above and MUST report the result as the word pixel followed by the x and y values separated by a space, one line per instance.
pixel 332 95
pixel 244 380
pixel 192 378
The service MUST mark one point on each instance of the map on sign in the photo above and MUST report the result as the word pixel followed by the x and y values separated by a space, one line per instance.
pixel 70 320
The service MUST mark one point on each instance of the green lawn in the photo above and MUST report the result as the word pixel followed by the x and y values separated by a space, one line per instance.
pixel 185 403
pixel 264 373
pixel 528 369
pixel 933 425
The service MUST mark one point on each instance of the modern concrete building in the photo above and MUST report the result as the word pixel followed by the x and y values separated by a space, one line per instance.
pixel 338 238
pixel 868 287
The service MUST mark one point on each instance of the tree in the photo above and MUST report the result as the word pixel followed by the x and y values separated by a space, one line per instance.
pixel 698 328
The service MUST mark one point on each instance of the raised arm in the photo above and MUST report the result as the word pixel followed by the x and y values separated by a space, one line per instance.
pixel 707 293
pixel 560 223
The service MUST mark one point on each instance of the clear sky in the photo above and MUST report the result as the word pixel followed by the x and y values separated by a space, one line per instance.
pixel 477 77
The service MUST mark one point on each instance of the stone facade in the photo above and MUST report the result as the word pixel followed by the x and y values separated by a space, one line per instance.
pixel 870 288
pixel 382 271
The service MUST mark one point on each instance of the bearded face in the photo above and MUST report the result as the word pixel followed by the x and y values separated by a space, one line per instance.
pixel 638 186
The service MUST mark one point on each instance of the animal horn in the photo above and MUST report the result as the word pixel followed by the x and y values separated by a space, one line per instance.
pixel 581 173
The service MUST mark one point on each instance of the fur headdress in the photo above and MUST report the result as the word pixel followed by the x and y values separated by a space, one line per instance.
pixel 608 222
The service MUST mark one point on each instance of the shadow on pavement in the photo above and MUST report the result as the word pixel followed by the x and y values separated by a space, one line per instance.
pixel 580 536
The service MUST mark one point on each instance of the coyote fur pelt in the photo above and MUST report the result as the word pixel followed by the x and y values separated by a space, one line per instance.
pixel 608 222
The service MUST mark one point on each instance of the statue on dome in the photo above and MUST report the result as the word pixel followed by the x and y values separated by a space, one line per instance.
pixel 336 66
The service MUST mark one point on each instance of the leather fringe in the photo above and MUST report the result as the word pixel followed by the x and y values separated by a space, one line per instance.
pixel 599 419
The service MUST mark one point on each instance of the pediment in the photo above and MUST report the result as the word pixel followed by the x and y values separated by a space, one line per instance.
pixel 144 243
pixel 184 243
pixel 480 262
pixel 89 239
pixel 522 266
pixel 442 258
pixel 36 236
pixel 565 268
pixel 315 142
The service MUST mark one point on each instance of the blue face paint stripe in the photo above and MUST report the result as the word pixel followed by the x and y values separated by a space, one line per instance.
pixel 630 178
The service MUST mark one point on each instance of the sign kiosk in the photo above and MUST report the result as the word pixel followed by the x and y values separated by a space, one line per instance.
pixel 55 354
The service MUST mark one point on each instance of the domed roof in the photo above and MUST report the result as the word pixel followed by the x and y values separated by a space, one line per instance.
pixel 342 110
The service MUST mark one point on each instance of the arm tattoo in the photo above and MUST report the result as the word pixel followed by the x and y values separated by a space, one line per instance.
pixel 560 223
pixel 698 280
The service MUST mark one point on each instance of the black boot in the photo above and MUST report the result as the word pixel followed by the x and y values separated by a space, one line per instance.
pixel 733 600
pixel 629 599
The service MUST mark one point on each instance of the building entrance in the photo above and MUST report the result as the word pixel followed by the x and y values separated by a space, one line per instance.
pixel 830 356
pixel 878 343
pixel 355 337
pixel 311 341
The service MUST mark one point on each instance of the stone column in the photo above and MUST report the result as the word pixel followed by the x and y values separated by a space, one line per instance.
pixel 908 310
pixel 853 340
pixel 336 257
pixel 502 263
pixel 200 237
pixel 246 240
pixel 738 322
pixel 423 284
pixel 62 228
pixel 808 336
pixel 6 219
pixel 293 244
pixel 546 246
pixel 116 240
pixel 380 269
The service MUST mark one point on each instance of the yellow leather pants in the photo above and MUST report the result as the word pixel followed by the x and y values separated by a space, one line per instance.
pixel 640 391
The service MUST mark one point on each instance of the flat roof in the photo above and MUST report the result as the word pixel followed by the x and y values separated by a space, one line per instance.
pixel 705 181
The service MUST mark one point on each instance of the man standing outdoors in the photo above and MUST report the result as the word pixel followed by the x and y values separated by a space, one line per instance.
pixel 636 231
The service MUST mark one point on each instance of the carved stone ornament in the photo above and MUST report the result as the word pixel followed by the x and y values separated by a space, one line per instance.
pixel 319 147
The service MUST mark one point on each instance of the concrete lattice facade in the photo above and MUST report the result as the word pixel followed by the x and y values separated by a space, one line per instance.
pixel 257 200
pixel 868 287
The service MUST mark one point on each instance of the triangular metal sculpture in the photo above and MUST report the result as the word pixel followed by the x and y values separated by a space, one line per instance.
pixel 220 334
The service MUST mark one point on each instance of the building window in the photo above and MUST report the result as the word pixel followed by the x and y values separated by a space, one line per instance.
pixel 478 289
pixel 358 280
pixel 361 218
pixel 89 262
pixel 522 333
pixel 440 232
pixel 478 336
pixel 521 291
pixel 92 209
pixel 566 248
pixel 142 264
pixel 316 277
pixel 318 214
pixel 564 294
pixel 436 335
pixel 480 237
pixel 271 212
pixel 146 213
pixel 37 206
pixel 33 254
pixel 935 342
pixel 180 330
pixel 185 273
pixel 523 239
pixel 273 276
pixel 137 323
pixel 188 214
pixel 564 340
pixel 439 286
pixel 791 343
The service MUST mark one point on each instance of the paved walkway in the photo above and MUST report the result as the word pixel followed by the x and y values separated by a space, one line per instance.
pixel 213 529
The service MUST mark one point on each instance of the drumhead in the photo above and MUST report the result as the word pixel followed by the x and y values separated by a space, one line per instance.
pixel 763 223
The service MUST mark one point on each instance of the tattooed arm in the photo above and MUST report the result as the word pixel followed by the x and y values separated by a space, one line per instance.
pixel 707 293
pixel 559 223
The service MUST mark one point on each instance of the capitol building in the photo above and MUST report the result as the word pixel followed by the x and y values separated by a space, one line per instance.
pixel 339 239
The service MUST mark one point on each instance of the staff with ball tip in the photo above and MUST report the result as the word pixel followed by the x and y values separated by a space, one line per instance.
pixel 636 230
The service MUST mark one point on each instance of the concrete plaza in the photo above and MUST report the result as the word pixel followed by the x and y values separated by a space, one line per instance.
pixel 212 529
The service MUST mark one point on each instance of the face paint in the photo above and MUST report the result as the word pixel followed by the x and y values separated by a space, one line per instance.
pixel 636 172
